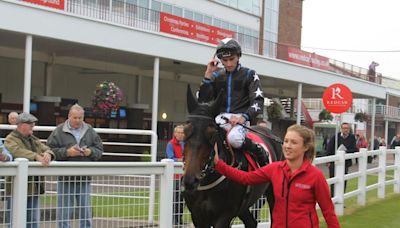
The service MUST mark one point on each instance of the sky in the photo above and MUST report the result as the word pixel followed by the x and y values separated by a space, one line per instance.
pixel 361 25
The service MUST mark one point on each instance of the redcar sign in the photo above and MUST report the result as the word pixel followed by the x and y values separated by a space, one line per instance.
pixel 337 98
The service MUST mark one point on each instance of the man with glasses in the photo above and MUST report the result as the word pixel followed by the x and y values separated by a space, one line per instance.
pixel 346 139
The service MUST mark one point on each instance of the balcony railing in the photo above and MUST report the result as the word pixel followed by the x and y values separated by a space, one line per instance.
pixel 131 15
pixel 386 111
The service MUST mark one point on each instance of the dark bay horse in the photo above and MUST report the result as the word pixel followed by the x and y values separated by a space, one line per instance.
pixel 212 199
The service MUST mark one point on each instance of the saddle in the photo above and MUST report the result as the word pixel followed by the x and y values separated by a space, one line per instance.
pixel 245 160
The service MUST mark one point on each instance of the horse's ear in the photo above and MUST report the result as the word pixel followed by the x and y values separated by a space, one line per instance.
pixel 216 105
pixel 191 100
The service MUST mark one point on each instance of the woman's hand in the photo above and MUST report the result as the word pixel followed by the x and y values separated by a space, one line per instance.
pixel 216 157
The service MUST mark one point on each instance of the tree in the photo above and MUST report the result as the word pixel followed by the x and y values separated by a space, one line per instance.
pixel 360 116
pixel 274 111
pixel 325 115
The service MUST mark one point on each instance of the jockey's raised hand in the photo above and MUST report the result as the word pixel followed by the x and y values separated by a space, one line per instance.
pixel 211 67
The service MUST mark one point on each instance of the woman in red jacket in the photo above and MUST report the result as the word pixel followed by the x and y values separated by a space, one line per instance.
pixel 298 185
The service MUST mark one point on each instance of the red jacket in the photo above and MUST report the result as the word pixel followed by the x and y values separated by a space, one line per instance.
pixel 296 194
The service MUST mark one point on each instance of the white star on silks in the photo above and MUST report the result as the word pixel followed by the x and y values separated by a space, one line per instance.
pixel 258 92
pixel 255 106
pixel 256 77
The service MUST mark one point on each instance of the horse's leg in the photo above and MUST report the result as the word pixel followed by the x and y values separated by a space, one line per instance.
pixel 248 219
pixel 271 201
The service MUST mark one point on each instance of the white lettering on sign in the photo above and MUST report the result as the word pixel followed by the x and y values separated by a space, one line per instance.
pixel 336 92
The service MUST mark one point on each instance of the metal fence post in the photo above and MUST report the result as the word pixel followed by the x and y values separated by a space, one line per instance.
pixel 339 186
pixel 20 193
pixel 362 180
pixel 166 195
pixel 396 185
pixel 382 172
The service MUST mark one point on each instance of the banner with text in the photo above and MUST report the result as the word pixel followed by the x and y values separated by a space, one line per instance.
pixel 192 29
pixel 309 59
pixel 57 4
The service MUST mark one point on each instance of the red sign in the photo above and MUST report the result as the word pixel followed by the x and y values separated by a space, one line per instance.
pixel 337 98
pixel 58 4
pixel 192 29
pixel 309 59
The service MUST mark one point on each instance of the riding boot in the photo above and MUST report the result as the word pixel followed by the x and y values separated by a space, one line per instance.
pixel 257 150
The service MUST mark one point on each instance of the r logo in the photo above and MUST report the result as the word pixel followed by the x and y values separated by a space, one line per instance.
pixel 336 92
pixel 337 98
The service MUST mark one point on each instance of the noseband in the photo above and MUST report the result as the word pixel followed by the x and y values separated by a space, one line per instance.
pixel 208 167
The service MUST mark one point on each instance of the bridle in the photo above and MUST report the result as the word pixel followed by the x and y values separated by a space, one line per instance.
pixel 208 167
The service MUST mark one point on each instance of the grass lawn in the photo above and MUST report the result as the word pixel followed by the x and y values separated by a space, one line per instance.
pixel 380 213
pixel 376 213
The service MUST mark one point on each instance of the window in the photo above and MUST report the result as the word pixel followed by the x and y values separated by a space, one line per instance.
pixel 177 11
pixel 233 3
pixel 143 3
pixel 233 27
pixel 198 17
pixel 188 14
pixel 217 22
pixel 207 20
pixel 224 24
pixel 167 8
pixel 156 5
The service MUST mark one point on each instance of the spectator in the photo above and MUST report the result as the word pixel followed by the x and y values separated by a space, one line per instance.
pixel 361 143
pixel 348 140
pixel 12 118
pixel 75 140
pixel 5 155
pixel 23 144
pixel 372 71
pixel 382 142
pixel 175 152
pixel 298 185
pixel 395 141
pixel 243 98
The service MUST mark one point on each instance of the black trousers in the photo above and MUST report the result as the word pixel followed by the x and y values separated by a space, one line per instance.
pixel 332 174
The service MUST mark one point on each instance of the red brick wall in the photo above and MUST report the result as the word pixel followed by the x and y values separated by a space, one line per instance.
pixel 290 17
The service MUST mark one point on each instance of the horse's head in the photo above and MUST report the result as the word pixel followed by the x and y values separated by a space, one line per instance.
pixel 200 132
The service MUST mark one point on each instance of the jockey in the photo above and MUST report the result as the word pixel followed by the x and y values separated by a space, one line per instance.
pixel 243 96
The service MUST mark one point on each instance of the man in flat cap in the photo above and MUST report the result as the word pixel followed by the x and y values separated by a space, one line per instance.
pixel 23 144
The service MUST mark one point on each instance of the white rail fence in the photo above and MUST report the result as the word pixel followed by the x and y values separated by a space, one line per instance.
pixel 120 189
pixel 132 194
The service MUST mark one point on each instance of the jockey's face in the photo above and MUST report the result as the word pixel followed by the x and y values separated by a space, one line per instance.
pixel 230 62
pixel 293 146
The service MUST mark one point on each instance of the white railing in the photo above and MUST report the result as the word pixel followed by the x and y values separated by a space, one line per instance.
pixel 361 174
pixel 107 183
pixel 152 144
pixel 103 173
